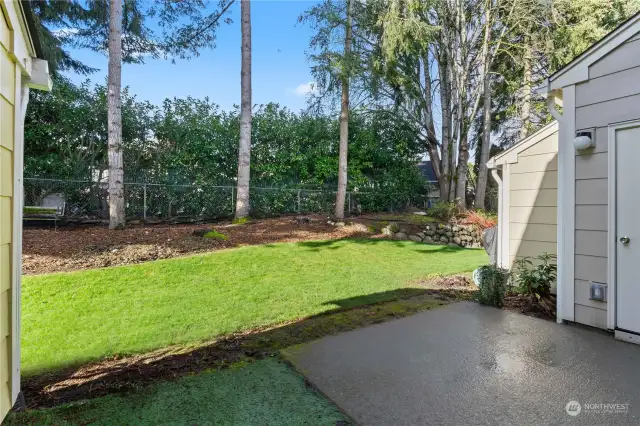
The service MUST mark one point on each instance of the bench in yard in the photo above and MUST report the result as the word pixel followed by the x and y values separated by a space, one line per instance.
pixel 43 213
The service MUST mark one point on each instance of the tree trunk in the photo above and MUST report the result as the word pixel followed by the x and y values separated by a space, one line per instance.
pixel 431 141
pixel 485 149
pixel 244 152
pixel 114 114
pixel 463 168
pixel 460 88
pixel 445 103
pixel 344 122
pixel 525 109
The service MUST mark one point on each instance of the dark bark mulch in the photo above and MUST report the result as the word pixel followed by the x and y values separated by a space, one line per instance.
pixel 67 249
pixel 523 304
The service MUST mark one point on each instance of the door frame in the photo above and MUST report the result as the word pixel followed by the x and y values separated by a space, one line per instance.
pixel 612 219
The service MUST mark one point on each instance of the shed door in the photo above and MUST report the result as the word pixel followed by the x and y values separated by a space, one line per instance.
pixel 628 230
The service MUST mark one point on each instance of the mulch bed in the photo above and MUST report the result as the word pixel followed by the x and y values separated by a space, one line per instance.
pixel 523 304
pixel 67 249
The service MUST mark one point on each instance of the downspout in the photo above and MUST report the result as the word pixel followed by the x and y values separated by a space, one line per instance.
pixel 551 104
pixel 24 100
pixel 553 110
pixel 496 177
pixel 16 394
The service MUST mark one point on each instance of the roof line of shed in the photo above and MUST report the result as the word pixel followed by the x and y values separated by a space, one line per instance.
pixel 522 144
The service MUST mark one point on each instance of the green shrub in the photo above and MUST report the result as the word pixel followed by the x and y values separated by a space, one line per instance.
pixel 443 210
pixel 217 235
pixel 536 280
pixel 240 220
pixel 493 285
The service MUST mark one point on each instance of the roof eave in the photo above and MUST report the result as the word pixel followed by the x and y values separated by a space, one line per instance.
pixel 32 26
pixel 577 70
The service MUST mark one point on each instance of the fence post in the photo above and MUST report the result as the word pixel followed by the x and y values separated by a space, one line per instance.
pixel 144 202
pixel 299 208
pixel 233 206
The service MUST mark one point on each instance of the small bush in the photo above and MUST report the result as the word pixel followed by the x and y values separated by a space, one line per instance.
pixel 240 220
pixel 493 285
pixel 443 210
pixel 536 280
pixel 217 235
pixel 482 219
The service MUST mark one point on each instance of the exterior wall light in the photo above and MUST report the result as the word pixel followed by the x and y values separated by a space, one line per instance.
pixel 583 141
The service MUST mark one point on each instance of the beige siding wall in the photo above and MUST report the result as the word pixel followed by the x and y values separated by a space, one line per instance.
pixel 7 94
pixel 533 192
pixel 611 95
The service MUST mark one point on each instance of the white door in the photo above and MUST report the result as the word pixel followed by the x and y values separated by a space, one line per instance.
pixel 627 239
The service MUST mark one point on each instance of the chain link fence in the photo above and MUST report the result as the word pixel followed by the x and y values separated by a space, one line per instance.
pixel 154 201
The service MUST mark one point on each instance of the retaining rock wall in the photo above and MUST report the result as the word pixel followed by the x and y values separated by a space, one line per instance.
pixel 439 233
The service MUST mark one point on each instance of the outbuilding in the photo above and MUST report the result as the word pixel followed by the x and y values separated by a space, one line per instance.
pixel 598 229
pixel 527 177
pixel 21 68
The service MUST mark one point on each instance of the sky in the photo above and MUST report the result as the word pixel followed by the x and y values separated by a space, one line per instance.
pixel 280 70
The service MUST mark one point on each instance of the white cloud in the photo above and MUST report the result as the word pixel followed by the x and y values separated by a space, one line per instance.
pixel 65 32
pixel 304 89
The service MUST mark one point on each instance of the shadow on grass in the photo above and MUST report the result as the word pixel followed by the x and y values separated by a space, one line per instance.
pixel 122 374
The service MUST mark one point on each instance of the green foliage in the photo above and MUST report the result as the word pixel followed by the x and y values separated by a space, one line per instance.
pixel 241 220
pixel 217 235
pixel 581 23
pixel 536 278
pixel 553 33
pixel 443 210
pixel 66 131
pixel 487 215
pixel 493 285
pixel 192 144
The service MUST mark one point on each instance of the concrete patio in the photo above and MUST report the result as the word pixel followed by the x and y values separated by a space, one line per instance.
pixel 466 364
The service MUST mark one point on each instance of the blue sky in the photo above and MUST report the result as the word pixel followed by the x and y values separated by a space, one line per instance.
pixel 281 72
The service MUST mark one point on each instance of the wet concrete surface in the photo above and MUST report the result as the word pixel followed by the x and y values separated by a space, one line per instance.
pixel 467 364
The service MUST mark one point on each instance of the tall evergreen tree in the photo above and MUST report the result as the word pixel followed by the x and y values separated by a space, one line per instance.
pixel 341 194
pixel 56 21
pixel 244 151
pixel 114 118
pixel 131 40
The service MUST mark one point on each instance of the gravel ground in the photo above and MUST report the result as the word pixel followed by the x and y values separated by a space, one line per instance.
pixel 68 249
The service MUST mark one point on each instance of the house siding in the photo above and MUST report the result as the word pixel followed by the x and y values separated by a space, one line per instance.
pixel 611 95
pixel 7 111
pixel 533 196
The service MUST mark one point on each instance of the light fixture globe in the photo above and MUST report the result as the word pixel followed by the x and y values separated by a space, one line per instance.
pixel 583 142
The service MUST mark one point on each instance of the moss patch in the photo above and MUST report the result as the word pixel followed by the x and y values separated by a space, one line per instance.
pixel 265 392
pixel 217 235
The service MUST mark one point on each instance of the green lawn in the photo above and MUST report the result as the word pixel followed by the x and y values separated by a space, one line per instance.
pixel 72 318
pixel 262 393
